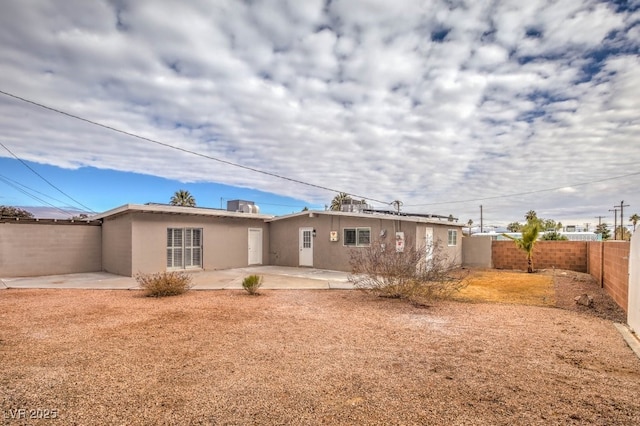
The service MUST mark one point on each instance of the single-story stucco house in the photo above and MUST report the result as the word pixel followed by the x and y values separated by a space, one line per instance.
pixel 324 239
pixel 153 238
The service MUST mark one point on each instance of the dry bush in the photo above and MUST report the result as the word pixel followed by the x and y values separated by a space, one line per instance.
pixel 252 283
pixel 163 284
pixel 420 275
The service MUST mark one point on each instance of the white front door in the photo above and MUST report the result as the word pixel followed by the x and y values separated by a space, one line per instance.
pixel 428 242
pixel 255 246
pixel 306 247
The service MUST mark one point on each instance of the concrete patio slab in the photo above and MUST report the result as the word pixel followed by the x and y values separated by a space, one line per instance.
pixel 274 277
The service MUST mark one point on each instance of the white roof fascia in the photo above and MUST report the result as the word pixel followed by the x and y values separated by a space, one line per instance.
pixel 415 219
pixel 192 211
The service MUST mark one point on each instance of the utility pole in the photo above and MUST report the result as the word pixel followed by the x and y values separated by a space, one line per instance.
pixel 586 226
pixel 481 219
pixel 622 206
pixel 600 219
pixel 615 223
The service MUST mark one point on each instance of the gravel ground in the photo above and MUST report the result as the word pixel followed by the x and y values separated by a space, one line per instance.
pixel 309 357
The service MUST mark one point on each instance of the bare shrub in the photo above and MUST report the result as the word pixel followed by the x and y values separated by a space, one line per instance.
pixel 163 284
pixel 420 275
pixel 252 283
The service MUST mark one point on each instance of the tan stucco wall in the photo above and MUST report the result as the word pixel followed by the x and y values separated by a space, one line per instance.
pixel 225 240
pixel 33 249
pixel 116 245
pixel 476 252
pixel 284 247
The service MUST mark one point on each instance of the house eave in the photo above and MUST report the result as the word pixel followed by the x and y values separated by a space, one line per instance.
pixel 176 210
pixel 408 218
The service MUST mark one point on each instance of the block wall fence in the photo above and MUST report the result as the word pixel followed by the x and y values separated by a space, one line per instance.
pixel 607 262
pixel 609 265
pixel 571 255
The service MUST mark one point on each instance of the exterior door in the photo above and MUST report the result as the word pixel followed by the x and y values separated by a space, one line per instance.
pixel 306 247
pixel 428 242
pixel 255 246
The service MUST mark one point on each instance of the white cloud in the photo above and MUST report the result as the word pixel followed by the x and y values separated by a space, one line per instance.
pixel 427 102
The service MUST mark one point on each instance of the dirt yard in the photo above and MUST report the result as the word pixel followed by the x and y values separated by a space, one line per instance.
pixel 311 357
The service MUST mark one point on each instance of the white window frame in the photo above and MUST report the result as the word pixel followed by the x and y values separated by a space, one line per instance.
pixel 359 237
pixel 451 242
pixel 184 248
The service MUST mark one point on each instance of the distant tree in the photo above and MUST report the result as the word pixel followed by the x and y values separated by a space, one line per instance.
pixel 531 215
pixel 183 198
pixel 14 212
pixel 604 232
pixel 526 242
pixel 305 209
pixel 553 236
pixel 550 224
pixel 80 216
pixel 623 233
pixel 470 223
pixel 338 200
pixel 514 227
pixel 634 220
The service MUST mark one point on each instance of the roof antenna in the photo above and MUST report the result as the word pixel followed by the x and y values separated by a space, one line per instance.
pixel 396 205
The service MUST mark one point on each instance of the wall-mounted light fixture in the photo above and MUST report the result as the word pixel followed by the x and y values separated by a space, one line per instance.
pixel 313 233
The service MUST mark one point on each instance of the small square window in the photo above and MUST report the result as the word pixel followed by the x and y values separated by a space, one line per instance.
pixel 357 237
pixel 452 237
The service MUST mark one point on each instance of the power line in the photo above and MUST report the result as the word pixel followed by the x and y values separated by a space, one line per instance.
pixel 527 192
pixel 44 179
pixel 230 163
pixel 5 180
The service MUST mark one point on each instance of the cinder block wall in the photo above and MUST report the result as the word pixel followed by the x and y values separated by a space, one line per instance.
pixel 33 248
pixel 615 277
pixel 571 255
pixel 594 260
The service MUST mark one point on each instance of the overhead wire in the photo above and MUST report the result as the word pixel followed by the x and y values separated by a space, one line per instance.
pixel 45 179
pixel 188 151
pixel 537 191
pixel 253 169
pixel 16 187
pixel 29 188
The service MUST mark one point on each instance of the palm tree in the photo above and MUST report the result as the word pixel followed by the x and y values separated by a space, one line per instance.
pixel 336 203
pixel 634 220
pixel 530 233
pixel 470 222
pixel 531 215
pixel 183 198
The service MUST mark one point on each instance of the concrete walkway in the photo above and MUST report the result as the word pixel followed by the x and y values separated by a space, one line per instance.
pixel 273 277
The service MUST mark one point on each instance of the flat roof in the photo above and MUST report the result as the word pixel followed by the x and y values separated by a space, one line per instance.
pixel 402 218
pixel 168 209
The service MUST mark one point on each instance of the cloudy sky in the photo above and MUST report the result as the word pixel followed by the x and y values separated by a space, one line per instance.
pixel 444 105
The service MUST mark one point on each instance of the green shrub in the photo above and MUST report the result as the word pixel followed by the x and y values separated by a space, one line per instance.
pixel 252 283
pixel 164 284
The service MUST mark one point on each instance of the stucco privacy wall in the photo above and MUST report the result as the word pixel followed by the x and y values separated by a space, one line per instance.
pixel 49 248
pixel 116 245
pixel 225 240
pixel 633 312
pixel 571 255
pixel 476 252
pixel 284 237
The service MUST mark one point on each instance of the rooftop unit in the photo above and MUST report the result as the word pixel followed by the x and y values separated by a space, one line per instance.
pixel 242 206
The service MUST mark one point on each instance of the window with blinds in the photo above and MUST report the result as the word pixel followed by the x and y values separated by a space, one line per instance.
pixel 184 248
